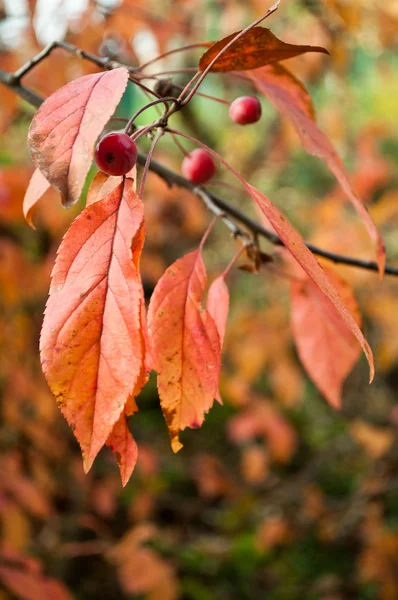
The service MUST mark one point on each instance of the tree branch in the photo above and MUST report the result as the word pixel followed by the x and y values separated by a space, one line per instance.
pixel 214 202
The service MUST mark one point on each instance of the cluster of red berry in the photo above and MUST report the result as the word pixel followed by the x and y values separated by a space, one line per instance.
pixel 116 153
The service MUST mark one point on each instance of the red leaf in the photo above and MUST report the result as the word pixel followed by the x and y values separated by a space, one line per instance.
pixel 185 345
pixel 326 347
pixel 256 48
pixel 38 185
pixel 64 130
pixel 315 142
pixel 295 244
pixel 91 340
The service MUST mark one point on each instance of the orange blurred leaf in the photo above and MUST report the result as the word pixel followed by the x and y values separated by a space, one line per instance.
pixel 283 88
pixel 256 48
pixel 91 340
pixel 63 132
pixel 185 345
pixel 326 347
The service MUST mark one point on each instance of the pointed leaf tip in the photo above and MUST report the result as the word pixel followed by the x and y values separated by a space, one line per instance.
pixel 185 345
pixel 38 185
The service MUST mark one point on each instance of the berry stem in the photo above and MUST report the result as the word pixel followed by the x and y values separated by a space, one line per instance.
pixel 158 135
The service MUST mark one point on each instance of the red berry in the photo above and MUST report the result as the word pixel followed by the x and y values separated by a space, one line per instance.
pixel 198 166
pixel 116 154
pixel 245 110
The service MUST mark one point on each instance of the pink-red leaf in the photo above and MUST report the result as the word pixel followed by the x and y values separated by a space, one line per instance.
pixel 185 345
pixel 91 341
pixel 218 307
pixel 326 347
pixel 38 185
pixel 64 130
pixel 295 244
pixel 275 85
pixel 279 84
pixel 255 48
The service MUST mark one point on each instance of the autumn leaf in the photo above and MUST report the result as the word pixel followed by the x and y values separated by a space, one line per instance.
pixel 120 441
pixel 326 347
pixel 124 447
pixel 64 130
pixel 91 341
pixel 279 84
pixel 185 345
pixel 255 48
pixel 22 576
pixel 296 246
pixel 37 187
pixel 218 305
pixel 284 95
pixel 103 184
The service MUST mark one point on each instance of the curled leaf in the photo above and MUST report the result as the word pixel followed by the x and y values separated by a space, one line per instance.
pixel 296 246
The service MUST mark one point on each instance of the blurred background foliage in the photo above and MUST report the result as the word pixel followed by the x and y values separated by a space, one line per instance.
pixel 277 496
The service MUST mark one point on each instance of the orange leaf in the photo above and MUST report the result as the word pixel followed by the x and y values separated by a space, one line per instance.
pixel 315 142
pixel 101 186
pixel 38 185
pixel 295 244
pixel 64 130
pixel 91 341
pixel 185 345
pixel 256 48
pixel 30 584
pixel 326 347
